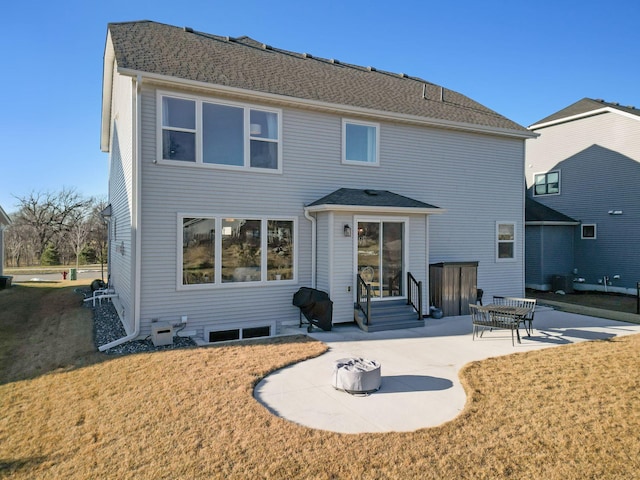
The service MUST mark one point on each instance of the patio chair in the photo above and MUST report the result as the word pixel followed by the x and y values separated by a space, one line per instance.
pixel 529 303
pixel 483 317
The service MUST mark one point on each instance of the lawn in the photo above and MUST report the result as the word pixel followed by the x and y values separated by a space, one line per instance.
pixel 71 413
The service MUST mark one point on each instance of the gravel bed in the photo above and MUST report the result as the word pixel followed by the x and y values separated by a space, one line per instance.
pixel 107 328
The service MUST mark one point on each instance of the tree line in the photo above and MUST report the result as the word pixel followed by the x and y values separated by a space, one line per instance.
pixel 56 228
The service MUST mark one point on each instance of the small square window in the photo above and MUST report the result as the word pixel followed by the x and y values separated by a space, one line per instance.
pixel 547 183
pixel 588 231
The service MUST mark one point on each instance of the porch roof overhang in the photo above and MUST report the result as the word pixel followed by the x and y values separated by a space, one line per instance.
pixel 371 201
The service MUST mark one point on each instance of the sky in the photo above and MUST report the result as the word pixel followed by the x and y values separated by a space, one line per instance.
pixel 523 59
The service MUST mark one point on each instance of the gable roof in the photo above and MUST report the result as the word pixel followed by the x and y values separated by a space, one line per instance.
pixel 535 213
pixel 170 53
pixel 584 108
pixel 368 199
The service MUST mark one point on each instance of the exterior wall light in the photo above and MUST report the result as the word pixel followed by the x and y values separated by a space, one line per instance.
pixel 347 230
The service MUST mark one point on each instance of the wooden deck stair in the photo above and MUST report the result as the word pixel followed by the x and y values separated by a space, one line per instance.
pixel 389 315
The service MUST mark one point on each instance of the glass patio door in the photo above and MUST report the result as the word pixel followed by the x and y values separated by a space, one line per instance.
pixel 380 257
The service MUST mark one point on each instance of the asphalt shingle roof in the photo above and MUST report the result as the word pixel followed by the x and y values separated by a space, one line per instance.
pixel 369 198
pixel 537 212
pixel 244 63
pixel 584 106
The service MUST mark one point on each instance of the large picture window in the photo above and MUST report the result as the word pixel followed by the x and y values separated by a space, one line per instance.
pixel 359 143
pixel 230 250
pixel 226 135
pixel 505 241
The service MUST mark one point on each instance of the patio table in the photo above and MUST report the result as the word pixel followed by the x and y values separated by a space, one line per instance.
pixel 519 313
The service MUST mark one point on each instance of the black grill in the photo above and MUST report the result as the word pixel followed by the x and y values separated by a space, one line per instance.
pixel 316 307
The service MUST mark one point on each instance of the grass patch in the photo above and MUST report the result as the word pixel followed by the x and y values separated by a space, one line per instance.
pixel 566 412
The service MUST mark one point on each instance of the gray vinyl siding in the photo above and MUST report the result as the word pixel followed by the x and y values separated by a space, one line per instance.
pixel 121 199
pixel 599 161
pixel 477 178
pixel 549 252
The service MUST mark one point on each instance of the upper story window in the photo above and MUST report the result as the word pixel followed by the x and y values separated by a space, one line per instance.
pixel 547 183
pixel 360 142
pixel 505 241
pixel 225 135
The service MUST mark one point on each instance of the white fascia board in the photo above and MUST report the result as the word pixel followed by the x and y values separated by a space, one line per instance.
pixel 330 107
pixel 4 219
pixel 107 89
pixel 551 223
pixel 590 113
pixel 374 209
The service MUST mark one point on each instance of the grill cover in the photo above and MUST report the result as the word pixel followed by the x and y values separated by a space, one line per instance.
pixel 316 307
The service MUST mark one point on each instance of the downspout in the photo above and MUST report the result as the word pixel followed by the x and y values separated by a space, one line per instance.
pixel 135 217
pixel 312 219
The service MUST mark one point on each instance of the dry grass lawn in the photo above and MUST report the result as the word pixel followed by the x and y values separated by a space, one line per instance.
pixel 562 413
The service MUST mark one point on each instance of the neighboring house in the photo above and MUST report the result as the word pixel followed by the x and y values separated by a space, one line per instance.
pixel 585 165
pixel 240 172
pixel 4 222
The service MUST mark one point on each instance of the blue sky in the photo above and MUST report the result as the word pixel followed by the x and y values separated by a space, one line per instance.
pixel 526 60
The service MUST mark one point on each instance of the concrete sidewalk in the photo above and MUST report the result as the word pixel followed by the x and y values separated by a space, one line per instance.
pixel 420 384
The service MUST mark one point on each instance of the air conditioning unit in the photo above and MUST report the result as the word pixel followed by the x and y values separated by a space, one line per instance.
pixel 161 334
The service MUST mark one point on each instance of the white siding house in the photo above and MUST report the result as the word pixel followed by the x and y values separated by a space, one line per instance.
pixel 227 157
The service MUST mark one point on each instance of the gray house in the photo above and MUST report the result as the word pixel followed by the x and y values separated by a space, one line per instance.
pixel 240 172
pixel 585 169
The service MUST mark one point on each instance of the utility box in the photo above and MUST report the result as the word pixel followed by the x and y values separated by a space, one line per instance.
pixel 562 282
pixel 453 286
pixel 161 334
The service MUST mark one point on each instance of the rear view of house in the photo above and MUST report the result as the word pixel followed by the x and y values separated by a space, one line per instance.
pixel 240 172
pixel 585 170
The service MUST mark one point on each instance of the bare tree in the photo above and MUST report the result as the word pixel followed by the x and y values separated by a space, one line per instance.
pixel 51 215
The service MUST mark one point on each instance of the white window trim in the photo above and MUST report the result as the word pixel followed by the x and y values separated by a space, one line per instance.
pixel 198 132
pixel 498 241
pixel 546 173
pixel 595 231
pixel 346 121
pixel 218 284
pixel 407 244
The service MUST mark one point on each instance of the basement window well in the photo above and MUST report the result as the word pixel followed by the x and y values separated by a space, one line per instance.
pixel 236 332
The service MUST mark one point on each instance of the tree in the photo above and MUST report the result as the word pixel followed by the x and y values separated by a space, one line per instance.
pixel 51 216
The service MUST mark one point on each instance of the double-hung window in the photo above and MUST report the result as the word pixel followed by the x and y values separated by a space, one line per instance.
pixel 226 135
pixel 547 183
pixel 505 241
pixel 360 142
pixel 231 250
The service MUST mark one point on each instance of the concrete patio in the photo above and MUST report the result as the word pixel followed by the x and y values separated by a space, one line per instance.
pixel 420 385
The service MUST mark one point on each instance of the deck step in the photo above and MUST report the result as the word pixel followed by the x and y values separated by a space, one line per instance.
pixel 389 315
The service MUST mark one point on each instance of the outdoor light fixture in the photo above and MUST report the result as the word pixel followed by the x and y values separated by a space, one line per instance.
pixel 347 230
pixel 615 212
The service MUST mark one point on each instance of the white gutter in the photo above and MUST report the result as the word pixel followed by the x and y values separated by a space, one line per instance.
pixel 375 209
pixel 330 107
pixel 135 215
pixel 312 219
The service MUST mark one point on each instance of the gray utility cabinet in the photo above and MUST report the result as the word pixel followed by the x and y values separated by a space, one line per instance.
pixel 453 286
